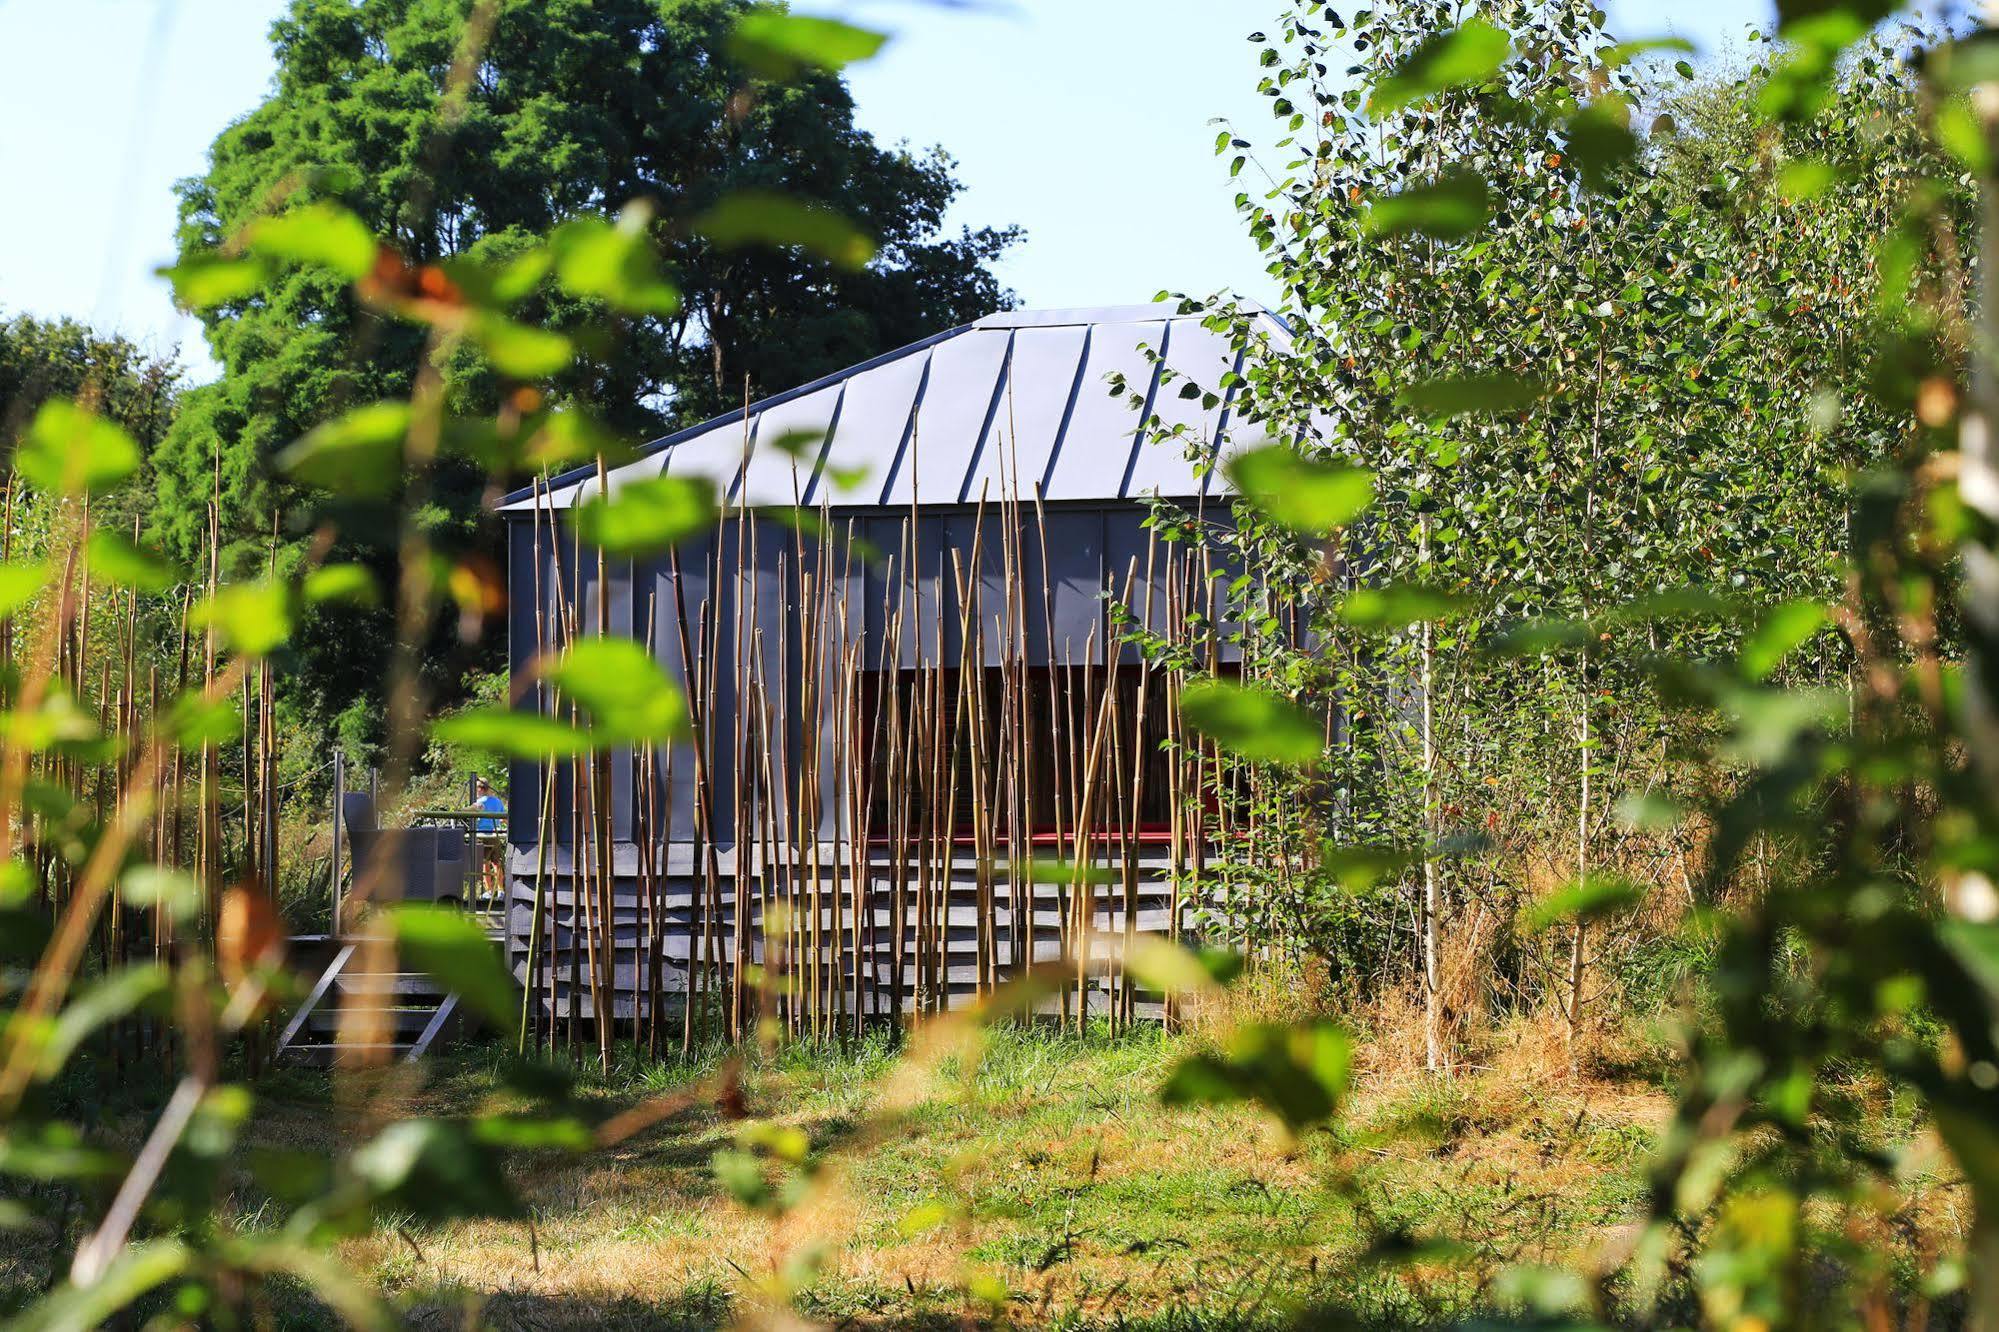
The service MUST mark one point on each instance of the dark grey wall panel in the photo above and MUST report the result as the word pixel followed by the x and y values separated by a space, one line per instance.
pixel 1074 582
pixel 1068 556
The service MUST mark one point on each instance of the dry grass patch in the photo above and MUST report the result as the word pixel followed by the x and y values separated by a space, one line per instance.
pixel 1047 1171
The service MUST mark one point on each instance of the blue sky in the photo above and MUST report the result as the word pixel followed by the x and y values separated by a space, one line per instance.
pixel 1086 121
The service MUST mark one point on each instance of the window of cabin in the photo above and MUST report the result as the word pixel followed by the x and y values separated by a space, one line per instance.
pixel 921 752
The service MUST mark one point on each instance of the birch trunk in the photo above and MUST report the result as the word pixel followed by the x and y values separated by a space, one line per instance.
pixel 1979 487
pixel 1433 1018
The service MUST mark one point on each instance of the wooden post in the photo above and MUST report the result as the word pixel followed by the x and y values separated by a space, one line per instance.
pixel 339 831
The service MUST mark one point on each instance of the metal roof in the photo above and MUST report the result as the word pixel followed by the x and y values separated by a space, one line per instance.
pixel 1014 402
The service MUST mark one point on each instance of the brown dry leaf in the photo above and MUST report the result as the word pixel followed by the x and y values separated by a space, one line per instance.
pixel 248 932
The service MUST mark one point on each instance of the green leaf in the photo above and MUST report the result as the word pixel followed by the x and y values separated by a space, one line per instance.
pixel 327 1277
pixel 763 217
pixel 798 445
pixel 1049 869
pixel 290 1175
pixel 613 262
pixel 1459 395
pixel 60 722
pixel 1975 945
pixel 1308 496
pixel 1298 1072
pixel 69 450
pixel 566 436
pixel 533 1133
pixel 1400 604
pixel 1769 721
pixel 161 888
pixel 357 453
pixel 1962 65
pixel 208 280
pixel 1601 141
pixel 353 584
pixel 18 884
pixel 1816 35
pixel 627 693
pixel 927 1216
pixel 194 721
pixel 1623 53
pixel 116 558
pixel 1650 811
pixel 1360 868
pixel 324 235
pixel 251 618
pixel 20 583
pixel 53 1151
pixel 510 734
pixel 518 350
pixel 777 45
pixel 1590 898
pixel 847 479
pixel 1168 968
pixel 1253 722
pixel 1693 602
pixel 517 279
pixel 786 1142
pixel 1531 638
pixel 434 1170
pixel 452 948
pixel 25 927
pixel 1806 178
pixel 1449 208
pixel 1962 135
pixel 649 515
pixel 1782 631
pixel 741 1175
pixel 137 1269
pixel 103 1001
pixel 1468 55
pixel 1848 14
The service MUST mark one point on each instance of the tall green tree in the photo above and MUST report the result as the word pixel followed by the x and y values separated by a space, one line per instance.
pixel 574 108
pixel 1605 366
pixel 49 359
pixel 61 358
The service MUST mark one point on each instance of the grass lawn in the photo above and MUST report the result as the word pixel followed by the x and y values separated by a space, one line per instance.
pixel 1042 1185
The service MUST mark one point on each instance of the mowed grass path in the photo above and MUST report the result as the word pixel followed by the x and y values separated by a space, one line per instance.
pixel 1042 1185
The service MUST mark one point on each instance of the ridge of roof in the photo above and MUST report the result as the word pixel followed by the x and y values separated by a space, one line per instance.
pixel 1003 320
pixel 737 414
pixel 1101 314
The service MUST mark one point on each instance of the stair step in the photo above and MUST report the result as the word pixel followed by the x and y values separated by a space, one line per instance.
pixel 407 1009
pixel 326 1055
pixel 402 982
pixel 403 1019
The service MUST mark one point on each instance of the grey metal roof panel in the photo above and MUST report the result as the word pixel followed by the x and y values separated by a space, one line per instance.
pixel 1027 420
pixel 1093 455
pixel 874 427
pixel 1195 362
pixel 1074 318
pixel 717 452
pixel 966 375
pixel 783 475
pixel 1018 398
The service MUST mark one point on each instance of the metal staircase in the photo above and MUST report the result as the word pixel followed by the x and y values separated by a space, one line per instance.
pixel 415 1012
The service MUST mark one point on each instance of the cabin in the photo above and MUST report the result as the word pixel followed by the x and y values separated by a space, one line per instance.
pixel 930 752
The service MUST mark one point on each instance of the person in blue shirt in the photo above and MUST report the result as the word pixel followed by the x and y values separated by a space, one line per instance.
pixel 492 869
pixel 489 803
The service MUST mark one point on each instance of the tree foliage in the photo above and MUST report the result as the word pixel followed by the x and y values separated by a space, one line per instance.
pixel 42 359
pixel 1661 431
pixel 573 110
